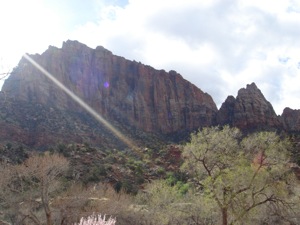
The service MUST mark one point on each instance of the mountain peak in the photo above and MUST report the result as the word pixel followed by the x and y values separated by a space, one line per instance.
pixel 250 110
pixel 291 118
pixel 250 89
pixel 251 86
pixel 70 45
pixel 73 43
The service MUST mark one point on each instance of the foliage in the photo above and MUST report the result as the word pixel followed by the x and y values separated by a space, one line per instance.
pixel 79 201
pixel 225 178
pixel 159 199
pixel 241 176
pixel 161 203
pixel 26 189
pixel 179 181
pixel 12 154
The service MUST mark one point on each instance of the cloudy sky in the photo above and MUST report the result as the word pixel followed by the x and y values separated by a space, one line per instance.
pixel 219 45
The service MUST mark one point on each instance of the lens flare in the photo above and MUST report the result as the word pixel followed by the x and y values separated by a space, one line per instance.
pixel 106 84
pixel 85 106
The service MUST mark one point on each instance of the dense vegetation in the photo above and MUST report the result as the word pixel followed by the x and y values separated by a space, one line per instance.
pixel 219 177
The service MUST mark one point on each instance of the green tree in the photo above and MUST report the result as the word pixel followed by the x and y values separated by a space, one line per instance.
pixel 159 202
pixel 241 176
pixel 164 204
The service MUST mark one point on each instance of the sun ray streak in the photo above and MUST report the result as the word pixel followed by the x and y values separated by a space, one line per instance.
pixel 90 110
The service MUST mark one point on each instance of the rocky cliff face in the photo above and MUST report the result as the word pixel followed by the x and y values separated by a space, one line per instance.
pixel 249 111
pixel 144 103
pixel 291 119
pixel 123 91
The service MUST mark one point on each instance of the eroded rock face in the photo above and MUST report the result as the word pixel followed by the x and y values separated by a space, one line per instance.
pixel 291 119
pixel 249 110
pixel 124 91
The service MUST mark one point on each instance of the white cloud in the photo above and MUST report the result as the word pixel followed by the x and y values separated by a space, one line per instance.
pixel 218 45
pixel 27 26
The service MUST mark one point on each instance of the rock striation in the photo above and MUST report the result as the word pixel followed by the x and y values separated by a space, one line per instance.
pixel 248 111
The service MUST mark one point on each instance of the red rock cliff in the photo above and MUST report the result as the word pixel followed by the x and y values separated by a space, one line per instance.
pixel 249 110
pixel 121 90
pixel 291 119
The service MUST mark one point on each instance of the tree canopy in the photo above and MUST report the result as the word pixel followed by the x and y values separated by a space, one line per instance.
pixel 26 187
pixel 243 176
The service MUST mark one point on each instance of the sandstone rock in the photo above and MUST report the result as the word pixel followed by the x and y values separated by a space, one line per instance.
pixel 144 103
pixel 250 110
pixel 123 91
pixel 225 114
pixel 291 119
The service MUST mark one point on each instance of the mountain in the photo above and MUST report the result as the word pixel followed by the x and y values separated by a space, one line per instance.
pixel 126 93
pixel 249 111
pixel 291 119
pixel 151 107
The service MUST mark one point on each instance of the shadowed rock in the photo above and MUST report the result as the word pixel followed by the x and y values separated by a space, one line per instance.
pixel 248 111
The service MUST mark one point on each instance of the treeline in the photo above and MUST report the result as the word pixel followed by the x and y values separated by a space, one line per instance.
pixel 223 178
